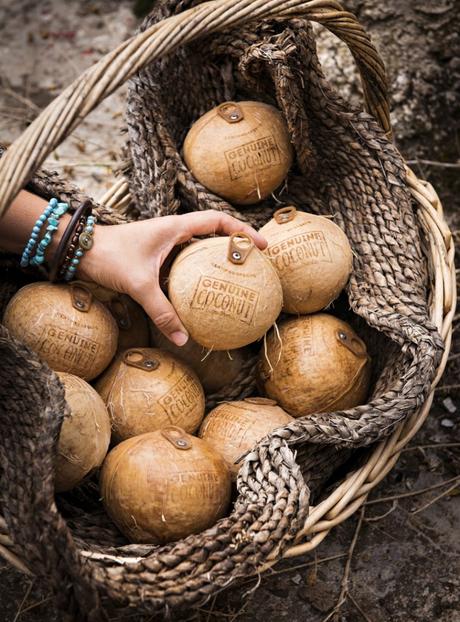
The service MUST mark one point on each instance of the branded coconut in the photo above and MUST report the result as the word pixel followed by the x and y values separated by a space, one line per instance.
pixel 315 363
pixel 240 151
pixel 312 256
pixel 215 370
pixel 65 325
pixel 146 389
pixel 164 485
pixel 85 435
pixel 234 428
pixel 225 291
pixel 131 320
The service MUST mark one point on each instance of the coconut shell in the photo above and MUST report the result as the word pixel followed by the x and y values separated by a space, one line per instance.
pixel 146 389
pixel 65 325
pixel 130 317
pixel 85 435
pixel 165 485
pixel 234 428
pixel 225 291
pixel 215 370
pixel 240 151
pixel 132 322
pixel 312 256
pixel 316 363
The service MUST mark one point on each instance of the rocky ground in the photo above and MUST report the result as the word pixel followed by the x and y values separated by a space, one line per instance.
pixel 405 566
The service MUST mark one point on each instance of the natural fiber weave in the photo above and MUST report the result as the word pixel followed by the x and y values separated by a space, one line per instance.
pixel 401 297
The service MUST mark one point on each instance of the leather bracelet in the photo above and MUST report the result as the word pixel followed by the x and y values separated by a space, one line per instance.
pixel 80 214
pixel 71 249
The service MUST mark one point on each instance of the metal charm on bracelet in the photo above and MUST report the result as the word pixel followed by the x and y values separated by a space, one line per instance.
pixel 85 243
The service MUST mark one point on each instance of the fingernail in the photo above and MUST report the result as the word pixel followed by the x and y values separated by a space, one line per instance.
pixel 179 338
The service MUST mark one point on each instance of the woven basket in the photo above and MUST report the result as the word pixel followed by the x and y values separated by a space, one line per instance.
pixel 401 294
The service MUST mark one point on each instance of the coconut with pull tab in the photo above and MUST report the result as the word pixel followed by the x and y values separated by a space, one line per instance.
pixel 315 363
pixel 234 428
pixel 312 256
pixel 65 325
pixel 241 151
pixel 225 291
pixel 215 369
pixel 164 485
pixel 131 320
pixel 146 389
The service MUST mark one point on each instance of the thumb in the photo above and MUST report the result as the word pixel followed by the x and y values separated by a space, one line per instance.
pixel 163 315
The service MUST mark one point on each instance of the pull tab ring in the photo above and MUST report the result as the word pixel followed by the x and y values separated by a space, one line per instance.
pixel 82 297
pixel 352 343
pixel 239 246
pixel 176 436
pixel 136 358
pixel 285 214
pixel 119 309
pixel 230 112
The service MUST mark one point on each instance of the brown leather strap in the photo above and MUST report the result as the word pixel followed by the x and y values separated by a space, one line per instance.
pixel 80 215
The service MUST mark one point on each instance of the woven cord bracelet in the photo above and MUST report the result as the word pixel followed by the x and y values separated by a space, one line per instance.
pixel 69 240
pixel 85 243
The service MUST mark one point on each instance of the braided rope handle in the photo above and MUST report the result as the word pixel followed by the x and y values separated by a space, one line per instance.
pixel 67 111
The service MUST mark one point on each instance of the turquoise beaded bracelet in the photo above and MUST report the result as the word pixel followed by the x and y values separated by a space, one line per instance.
pixel 27 252
pixel 85 243
pixel 58 210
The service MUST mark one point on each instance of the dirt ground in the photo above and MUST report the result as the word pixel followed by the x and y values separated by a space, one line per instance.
pixel 405 566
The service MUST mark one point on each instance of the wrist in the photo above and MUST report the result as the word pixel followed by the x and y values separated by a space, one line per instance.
pixel 88 267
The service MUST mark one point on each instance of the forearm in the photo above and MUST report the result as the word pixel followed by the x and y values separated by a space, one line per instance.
pixel 17 223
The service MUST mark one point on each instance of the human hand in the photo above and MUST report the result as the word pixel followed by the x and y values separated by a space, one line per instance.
pixel 127 258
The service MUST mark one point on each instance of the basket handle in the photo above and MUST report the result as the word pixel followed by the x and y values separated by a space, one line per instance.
pixel 67 111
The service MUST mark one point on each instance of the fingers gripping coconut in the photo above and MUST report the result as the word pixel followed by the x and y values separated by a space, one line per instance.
pixel 124 258
pixel 128 259
pixel 225 291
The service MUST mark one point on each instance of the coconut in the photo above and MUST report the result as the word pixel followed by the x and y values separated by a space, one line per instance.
pixel 315 363
pixel 146 389
pixel 131 320
pixel 67 328
pixel 225 291
pixel 85 434
pixel 234 428
pixel 164 485
pixel 312 256
pixel 215 370
pixel 240 151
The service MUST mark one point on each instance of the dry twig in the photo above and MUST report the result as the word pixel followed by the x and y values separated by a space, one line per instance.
pixel 346 575
pixel 413 493
pixel 440 496
pixel 20 610
pixel 359 608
